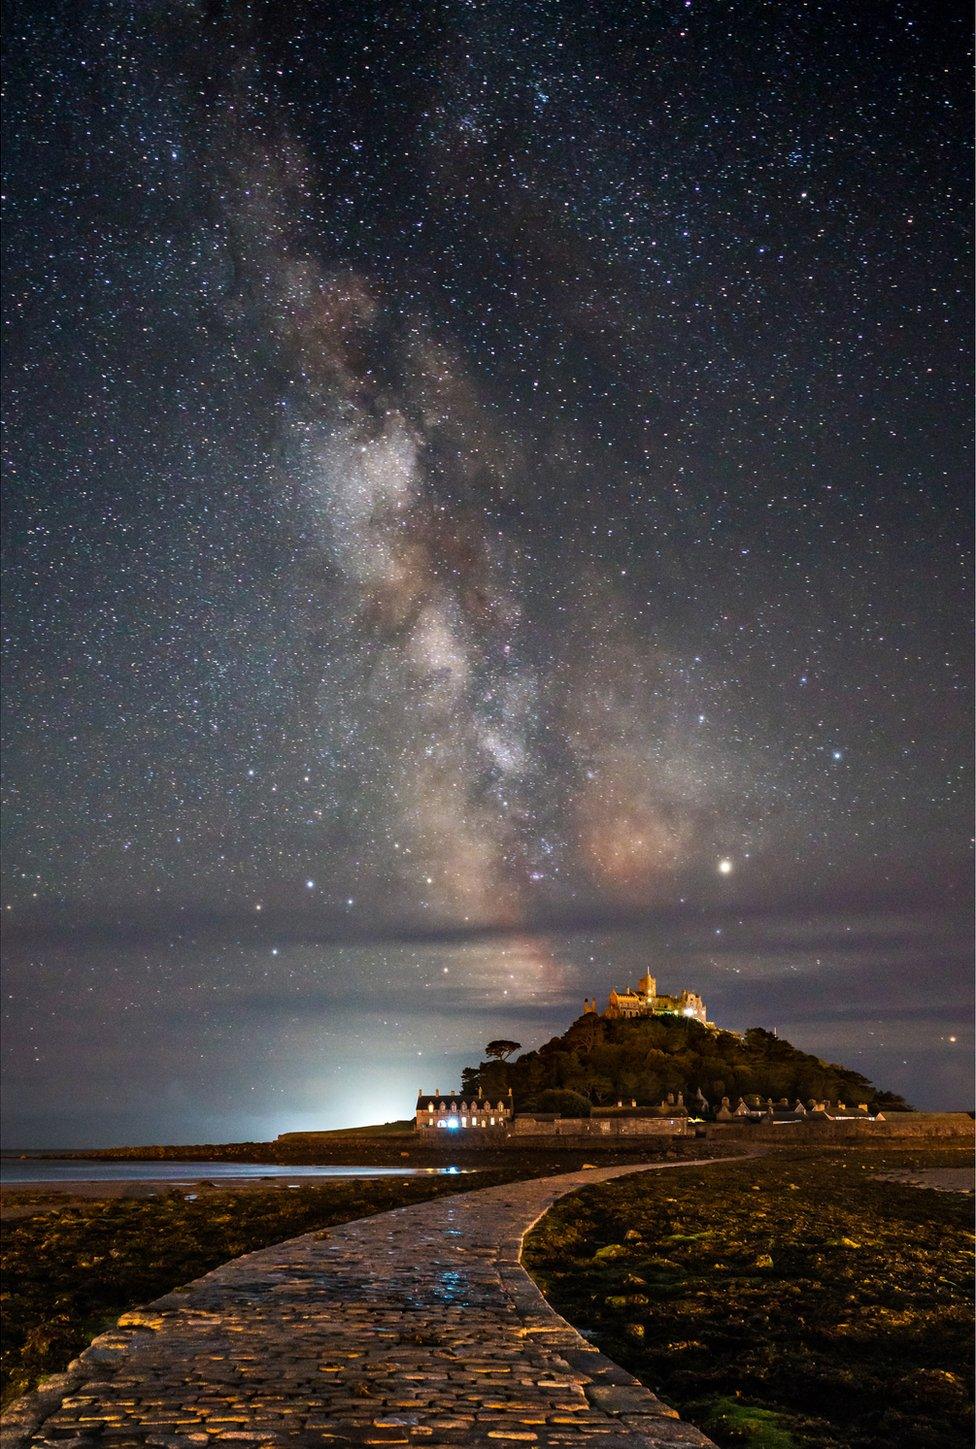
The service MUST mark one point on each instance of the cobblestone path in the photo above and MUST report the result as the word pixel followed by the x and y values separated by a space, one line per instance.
pixel 417 1326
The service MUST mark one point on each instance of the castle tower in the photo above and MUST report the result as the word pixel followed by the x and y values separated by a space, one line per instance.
pixel 647 986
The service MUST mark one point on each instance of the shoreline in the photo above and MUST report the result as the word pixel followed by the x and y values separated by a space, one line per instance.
pixel 393 1143
pixel 20 1200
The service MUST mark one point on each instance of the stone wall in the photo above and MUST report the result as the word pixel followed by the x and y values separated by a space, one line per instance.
pixel 903 1125
pixel 525 1125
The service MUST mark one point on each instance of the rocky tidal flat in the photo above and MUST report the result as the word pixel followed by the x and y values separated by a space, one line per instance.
pixel 72 1264
pixel 793 1301
pixel 416 1325
pixel 71 1268
pixel 785 1300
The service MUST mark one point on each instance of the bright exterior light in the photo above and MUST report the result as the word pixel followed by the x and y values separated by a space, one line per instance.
pixel 453 1122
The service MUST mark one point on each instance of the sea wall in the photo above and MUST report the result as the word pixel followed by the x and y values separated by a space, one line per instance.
pixel 909 1126
pixel 526 1125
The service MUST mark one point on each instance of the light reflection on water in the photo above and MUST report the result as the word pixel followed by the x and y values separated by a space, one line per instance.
pixel 451 1287
pixel 17 1173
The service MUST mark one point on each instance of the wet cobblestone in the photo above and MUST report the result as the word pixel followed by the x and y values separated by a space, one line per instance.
pixel 417 1326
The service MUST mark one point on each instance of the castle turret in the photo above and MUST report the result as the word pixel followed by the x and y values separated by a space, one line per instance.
pixel 644 1000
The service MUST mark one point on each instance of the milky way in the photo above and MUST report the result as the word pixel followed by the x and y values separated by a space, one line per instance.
pixel 487 503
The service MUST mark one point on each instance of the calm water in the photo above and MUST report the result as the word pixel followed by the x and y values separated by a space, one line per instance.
pixel 56 1169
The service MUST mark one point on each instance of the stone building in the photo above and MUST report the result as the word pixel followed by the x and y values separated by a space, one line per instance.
pixel 755 1109
pixel 645 1000
pixel 453 1112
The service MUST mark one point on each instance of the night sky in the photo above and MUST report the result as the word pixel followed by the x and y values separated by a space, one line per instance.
pixel 488 511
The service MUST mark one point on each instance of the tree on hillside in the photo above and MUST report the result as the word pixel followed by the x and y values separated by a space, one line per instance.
pixel 567 1104
pixel 645 1058
pixel 502 1049
pixel 587 1031
pixel 494 1079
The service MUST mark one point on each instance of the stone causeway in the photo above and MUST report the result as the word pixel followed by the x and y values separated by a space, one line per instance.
pixel 417 1326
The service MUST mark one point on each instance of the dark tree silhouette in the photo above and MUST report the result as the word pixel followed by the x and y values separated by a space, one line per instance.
pixel 567 1104
pixel 645 1058
pixel 502 1049
pixel 588 1030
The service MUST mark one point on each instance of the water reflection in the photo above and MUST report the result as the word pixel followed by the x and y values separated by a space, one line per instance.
pixel 20 1172
pixel 451 1287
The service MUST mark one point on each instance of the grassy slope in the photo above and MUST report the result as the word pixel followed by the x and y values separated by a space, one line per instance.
pixel 404 1126
pixel 785 1301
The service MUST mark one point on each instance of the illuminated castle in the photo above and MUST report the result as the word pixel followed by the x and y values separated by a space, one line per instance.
pixel 643 1000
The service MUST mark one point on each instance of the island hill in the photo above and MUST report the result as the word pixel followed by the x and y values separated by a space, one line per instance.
pixel 649 1066
pixel 650 1062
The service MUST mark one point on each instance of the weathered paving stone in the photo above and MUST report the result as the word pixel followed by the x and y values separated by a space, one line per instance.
pixel 417 1326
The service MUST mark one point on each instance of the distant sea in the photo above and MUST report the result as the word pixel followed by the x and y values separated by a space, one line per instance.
pixel 17 1173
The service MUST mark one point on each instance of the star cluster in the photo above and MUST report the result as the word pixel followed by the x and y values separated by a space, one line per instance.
pixel 483 480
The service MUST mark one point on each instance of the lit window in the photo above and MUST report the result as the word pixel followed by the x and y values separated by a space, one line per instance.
pixel 464 1121
pixel 474 1121
pixel 493 1121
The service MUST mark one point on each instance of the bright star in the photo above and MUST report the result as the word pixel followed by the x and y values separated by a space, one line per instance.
pixel 725 867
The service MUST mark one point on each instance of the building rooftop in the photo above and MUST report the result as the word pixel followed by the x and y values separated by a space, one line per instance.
pixel 444 1099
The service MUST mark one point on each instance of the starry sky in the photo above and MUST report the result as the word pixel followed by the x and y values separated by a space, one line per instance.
pixel 487 511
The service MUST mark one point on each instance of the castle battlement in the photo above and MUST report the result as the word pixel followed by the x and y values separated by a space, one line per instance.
pixel 644 999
